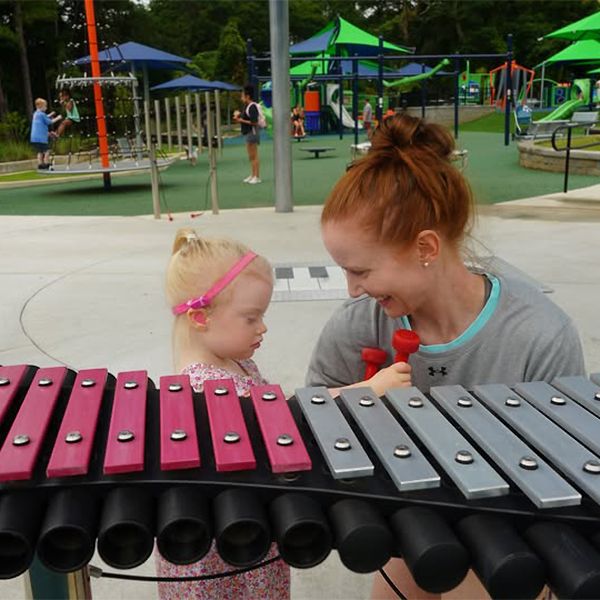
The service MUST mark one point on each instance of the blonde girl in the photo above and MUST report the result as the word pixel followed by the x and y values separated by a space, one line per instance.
pixel 219 291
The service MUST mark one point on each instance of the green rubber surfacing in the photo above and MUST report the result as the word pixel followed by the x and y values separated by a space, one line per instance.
pixel 493 171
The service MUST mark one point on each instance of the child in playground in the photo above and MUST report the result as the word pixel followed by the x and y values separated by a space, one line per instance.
pixel 40 126
pixel 396 222
pixel 298 122
pixel 219 292
pixel 71 112
pixel 367 116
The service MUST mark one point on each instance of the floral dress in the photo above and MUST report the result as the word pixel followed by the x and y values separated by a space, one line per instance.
pixel 271 582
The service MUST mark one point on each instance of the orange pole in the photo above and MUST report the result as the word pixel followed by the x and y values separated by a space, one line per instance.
pixel 100 118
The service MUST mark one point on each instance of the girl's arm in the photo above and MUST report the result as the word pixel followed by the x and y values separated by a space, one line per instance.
pixel 394 376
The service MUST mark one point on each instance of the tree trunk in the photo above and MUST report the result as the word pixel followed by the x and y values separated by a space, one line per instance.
pixel 3 105
pixel 28 96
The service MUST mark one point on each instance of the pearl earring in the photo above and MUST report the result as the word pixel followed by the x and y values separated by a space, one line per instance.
pixel 425 264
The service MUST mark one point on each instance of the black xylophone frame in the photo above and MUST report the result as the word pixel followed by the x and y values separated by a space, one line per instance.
pixel 513 547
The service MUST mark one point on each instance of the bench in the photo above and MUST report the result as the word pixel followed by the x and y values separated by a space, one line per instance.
pixel 317 150
pixel 587 120
pixel 543 129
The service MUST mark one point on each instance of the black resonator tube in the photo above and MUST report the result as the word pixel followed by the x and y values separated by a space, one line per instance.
pixel 362 537
pixel 505 564
pixel 301 530
pixel 573 564
pixel 20 518
pixel 68 535
pixel 126 536
pixel 435 557
pixel 242 532
pixel 183 530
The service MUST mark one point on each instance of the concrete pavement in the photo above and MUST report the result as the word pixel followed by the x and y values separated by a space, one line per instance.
pixel 88 292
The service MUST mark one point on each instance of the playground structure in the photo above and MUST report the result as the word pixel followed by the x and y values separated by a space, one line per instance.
pixel 517 87
pixel 125 150
pixel 580 96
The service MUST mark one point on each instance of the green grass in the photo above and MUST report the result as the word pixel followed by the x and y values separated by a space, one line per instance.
pixel 29 176
pixel 492 123
pixel 493 171
pixel 576 141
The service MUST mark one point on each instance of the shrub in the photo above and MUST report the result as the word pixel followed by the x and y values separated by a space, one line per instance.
pixel 10 151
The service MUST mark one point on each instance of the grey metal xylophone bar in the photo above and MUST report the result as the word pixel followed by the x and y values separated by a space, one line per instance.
pixel 506 481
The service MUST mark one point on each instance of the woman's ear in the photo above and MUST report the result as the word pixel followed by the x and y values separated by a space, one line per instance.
pixel 428 246
pixel 198 318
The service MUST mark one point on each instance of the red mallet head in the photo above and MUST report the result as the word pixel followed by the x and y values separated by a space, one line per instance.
pixel 373 358
pixel 405 342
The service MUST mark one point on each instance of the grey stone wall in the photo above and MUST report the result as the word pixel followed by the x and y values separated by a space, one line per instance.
pixel 583 162
pixel 444 115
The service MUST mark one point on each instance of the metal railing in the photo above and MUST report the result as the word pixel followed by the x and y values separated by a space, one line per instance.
pixel 559 134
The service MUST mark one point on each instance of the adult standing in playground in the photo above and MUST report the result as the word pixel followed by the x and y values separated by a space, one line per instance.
pixel 396 223
pixel 367 116
pixel 248 119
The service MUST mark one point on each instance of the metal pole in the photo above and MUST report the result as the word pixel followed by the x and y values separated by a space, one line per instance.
pixel 41 582
pixel 214 192
pixel 158 123
pixel 341 101
pixel 509 90
pixel 280 71
pixel 456 94
pixel 542 85
pixel 199 121
pixel 168 111
pixel 136 116
pixel 147 106
pixel 188 125
pixel 567 160
pixel 99 106
pixel 355 99
pixel 154 179
pixel 218 120
pixel 379 107
pixel 178 120
pixel 423 84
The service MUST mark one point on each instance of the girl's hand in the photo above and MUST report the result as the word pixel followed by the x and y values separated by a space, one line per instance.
pixel 394 376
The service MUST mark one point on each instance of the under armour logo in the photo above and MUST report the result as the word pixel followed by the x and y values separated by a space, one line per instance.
pixel 441 371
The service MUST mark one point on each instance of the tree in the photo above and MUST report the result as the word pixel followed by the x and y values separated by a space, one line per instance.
pixel 22 45
pixel 231 54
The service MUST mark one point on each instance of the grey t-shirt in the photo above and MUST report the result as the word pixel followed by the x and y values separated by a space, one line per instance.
pixel 527 338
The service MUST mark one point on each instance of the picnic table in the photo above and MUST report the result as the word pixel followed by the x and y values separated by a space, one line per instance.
pixel 316 150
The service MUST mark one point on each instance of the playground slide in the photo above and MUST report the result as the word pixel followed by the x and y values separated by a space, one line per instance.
pixel 268 113
pixel 564 111
pixel 347 120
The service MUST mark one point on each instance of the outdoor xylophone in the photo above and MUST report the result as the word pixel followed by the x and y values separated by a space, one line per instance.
pixel 449 480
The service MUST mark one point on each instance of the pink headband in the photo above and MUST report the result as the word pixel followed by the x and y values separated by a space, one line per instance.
pixel 217 288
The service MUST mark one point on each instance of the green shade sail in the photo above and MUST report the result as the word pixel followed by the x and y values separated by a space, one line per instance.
pixel 583 51
pixel 342 38
pixel 587 28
